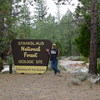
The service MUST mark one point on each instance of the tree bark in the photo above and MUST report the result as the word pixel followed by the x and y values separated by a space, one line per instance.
pixel 93 43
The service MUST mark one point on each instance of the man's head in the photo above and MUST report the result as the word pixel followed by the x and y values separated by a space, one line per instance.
pixel 53 46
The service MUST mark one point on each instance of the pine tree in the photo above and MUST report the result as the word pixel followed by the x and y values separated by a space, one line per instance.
pixel 41 9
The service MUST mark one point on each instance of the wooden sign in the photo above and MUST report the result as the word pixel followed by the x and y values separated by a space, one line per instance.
pixel 30 56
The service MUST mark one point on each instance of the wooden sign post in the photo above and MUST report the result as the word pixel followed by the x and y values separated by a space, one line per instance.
pixel 30 56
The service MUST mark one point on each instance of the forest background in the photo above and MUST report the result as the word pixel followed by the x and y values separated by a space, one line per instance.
pixel 71 32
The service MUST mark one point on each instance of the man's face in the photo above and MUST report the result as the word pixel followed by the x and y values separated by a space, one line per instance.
pixel 53 46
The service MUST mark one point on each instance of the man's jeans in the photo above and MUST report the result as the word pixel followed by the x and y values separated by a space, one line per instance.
pixel 54 65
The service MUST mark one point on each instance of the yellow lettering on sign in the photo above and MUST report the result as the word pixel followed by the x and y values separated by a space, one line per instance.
pixel 30 69
pixel 30 55
pixel 26 61
pixel 30 43
pixel 39 62
pixel 23 48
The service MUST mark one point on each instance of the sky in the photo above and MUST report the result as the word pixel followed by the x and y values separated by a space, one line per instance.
pixel 63 8
pixel 53 9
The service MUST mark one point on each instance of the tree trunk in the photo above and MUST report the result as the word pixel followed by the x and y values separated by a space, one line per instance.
pixel 93 44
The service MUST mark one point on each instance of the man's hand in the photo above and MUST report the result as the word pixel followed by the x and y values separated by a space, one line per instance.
pixel 58 52
pixel 47 50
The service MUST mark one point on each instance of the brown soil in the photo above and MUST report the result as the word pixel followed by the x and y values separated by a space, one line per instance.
pixel 45 87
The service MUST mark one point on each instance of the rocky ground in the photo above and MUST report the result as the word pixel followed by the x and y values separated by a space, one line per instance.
pixel 46 87
pixel 73 66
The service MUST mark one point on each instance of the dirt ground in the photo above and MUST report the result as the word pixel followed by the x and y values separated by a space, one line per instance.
pixel 45 87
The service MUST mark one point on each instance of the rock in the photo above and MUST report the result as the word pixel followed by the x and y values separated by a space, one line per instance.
pixel 94 80
pixel 6 69
pixel 75 81
pixel 86 75
pixel 84 69
pixel 81 78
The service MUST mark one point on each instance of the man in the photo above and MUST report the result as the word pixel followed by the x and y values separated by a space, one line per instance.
pixel 54 53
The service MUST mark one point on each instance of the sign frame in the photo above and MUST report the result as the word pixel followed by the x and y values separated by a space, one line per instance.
pixel 30 56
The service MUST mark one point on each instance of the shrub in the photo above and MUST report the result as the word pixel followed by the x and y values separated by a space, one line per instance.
pixel 59 66
pixel 79 58
pixel 10 60
pixel 98 68
pixel 75 81
pixel 1 65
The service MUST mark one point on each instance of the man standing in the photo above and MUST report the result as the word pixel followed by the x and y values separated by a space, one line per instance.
pixel 54 53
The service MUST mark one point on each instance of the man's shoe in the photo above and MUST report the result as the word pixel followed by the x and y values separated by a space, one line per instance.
pixel 55 73
pixel 59 72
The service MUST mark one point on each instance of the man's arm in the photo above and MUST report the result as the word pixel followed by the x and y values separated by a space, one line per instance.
pixel 47 50
pixel 58 52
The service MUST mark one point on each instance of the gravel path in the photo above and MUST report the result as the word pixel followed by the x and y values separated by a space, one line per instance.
pixel 45 87
pixel 48 86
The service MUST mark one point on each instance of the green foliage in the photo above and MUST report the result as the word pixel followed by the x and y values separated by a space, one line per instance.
pixel 62 68
pixel 59 66
pixel 98 68
pixel 59 46
pixel 6 22
pixel 98 37
pixel 10 60
pixel 79 58
pixel 62 33
pixel 86 60
pixel 1 65
pixel 66 33
pixel 83 40
pixel 23 29
pixel 40 9
pixel 20 24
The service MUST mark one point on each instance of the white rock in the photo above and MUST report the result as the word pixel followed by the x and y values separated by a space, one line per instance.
pixel 5 70
pixel 96 80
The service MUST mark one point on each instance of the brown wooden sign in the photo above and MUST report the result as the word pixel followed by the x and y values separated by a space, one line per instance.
pixel 30 56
